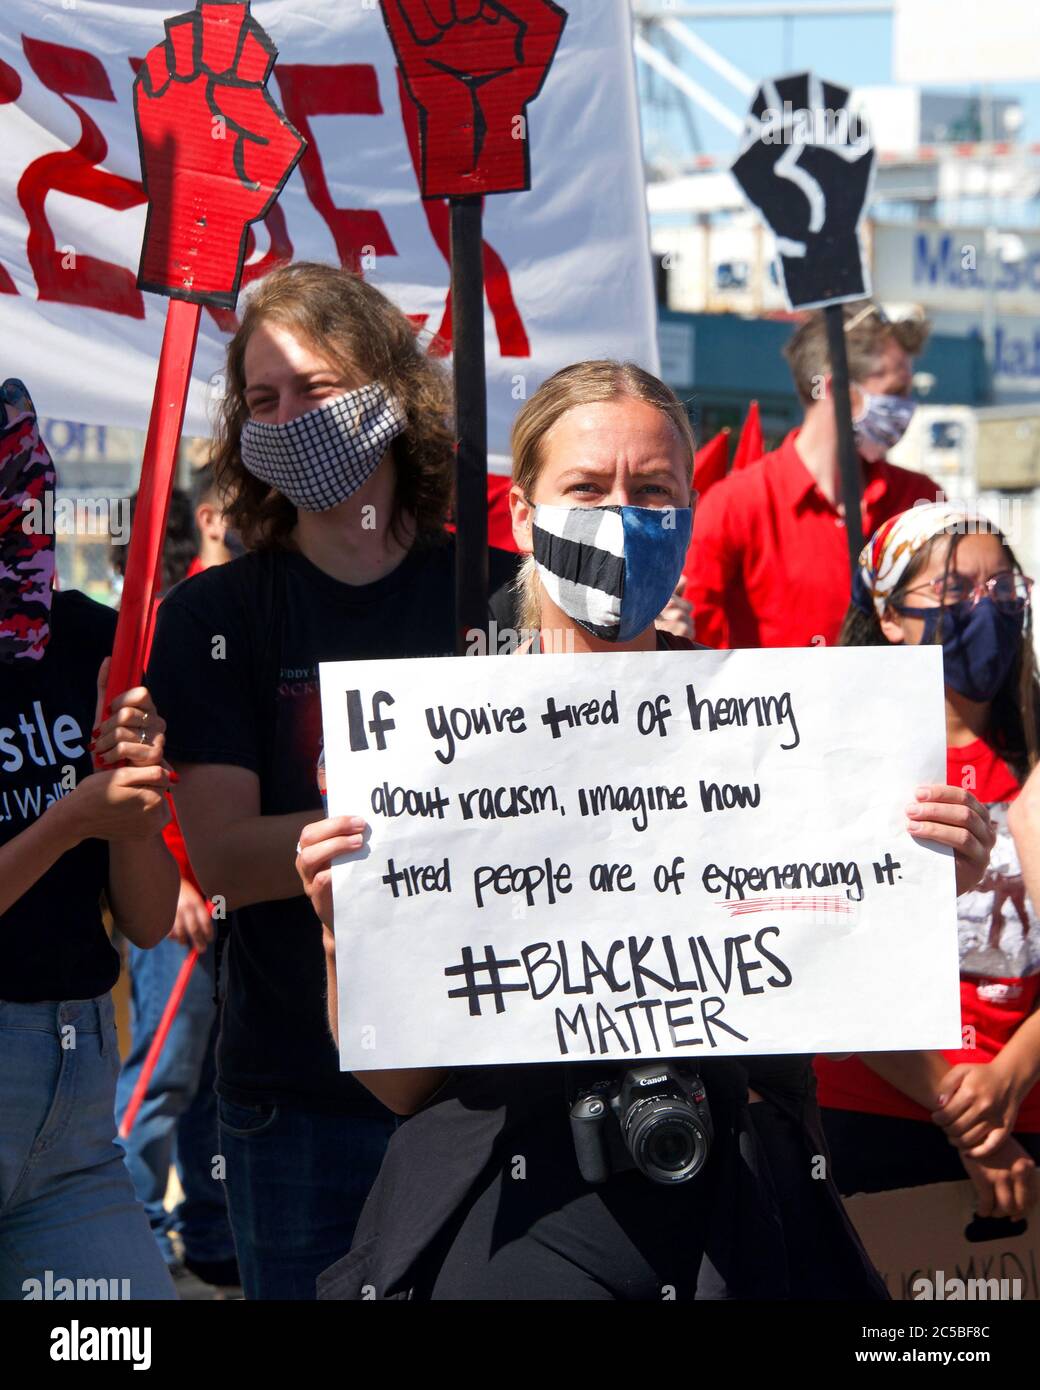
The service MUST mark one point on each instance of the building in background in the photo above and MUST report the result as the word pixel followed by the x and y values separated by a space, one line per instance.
pixel 98 468
pixel 952 228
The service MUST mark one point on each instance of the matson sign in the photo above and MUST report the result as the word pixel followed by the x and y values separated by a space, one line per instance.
pixel 948 271
pixel 948 268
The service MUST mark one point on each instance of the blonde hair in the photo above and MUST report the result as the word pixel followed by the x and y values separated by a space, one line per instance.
pixel 582 383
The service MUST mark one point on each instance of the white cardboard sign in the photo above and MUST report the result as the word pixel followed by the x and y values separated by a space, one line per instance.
pixel 639 854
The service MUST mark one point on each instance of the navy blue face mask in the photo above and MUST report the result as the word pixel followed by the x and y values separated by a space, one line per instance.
pixel 979 645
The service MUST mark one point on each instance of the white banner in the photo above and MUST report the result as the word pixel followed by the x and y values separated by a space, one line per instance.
pixel 636 855
pixel 567 263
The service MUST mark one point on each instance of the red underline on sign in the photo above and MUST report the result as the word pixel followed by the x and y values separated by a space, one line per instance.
pixel 789 903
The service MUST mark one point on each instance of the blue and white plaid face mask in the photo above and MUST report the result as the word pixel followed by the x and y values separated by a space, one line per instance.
pixel 883 421
pixel 611 569
pixel 321 458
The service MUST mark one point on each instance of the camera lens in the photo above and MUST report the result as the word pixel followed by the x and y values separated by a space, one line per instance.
pixel 667 1143
pixel 669 1147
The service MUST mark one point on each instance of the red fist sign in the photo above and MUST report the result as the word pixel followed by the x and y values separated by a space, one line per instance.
pixel 471 67
pixel 215 150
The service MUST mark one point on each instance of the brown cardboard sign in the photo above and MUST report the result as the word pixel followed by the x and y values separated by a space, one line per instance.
pixel 926 1246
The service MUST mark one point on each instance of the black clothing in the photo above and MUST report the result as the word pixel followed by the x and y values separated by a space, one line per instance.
pixel 234 672
pixel 448 1217
pixel 53 943
pixel 878 1153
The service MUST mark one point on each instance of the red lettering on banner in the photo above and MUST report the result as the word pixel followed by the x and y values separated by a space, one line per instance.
pixel 343 89
pixel 87 280
pixel 280 252
pixel 346 89
pixel 10 90
pixel 512 336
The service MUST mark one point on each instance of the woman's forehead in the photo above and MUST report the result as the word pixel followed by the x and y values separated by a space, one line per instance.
pixel 975 551
pixel 605 433
pixel 278 348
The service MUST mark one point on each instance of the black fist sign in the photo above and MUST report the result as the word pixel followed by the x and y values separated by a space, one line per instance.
pixel 805 162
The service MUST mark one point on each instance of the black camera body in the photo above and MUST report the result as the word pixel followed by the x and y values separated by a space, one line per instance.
pixel 655 1119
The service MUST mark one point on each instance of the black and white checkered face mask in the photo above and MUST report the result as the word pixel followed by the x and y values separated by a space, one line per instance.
pixel 320 459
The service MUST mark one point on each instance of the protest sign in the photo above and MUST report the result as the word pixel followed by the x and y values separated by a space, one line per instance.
pixel 806 163
pixel 212 67
pixel 639 854
pixel 472 74
pixel 929 1246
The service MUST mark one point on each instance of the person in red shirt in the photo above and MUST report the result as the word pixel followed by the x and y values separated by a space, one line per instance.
pixel 769 564
pixel 941 574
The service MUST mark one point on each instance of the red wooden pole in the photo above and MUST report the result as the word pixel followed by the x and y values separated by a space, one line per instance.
pixel 144 562
pixel 172 1005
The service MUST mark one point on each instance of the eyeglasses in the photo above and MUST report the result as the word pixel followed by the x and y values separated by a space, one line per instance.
pixel 1009 591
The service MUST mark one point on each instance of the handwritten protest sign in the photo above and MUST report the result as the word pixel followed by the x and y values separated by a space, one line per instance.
pixel 639 854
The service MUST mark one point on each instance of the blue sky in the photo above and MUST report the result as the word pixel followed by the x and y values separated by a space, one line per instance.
pixel 855 50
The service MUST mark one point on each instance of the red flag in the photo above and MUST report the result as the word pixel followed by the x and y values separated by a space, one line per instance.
pixel 750 448
pixel 709 462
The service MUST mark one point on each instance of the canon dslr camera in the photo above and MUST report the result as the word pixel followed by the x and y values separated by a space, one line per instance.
pixel 656 1119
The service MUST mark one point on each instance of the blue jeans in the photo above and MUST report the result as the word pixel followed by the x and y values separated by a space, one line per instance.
pixel 296 1183
pixel 67 1205
pixel 177 1120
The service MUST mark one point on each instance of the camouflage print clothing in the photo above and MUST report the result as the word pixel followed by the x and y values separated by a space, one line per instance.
pixel 26 548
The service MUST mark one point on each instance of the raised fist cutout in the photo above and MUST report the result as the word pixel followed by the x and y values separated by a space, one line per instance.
pixel 471 67
pixel 805 162
pixel 215 150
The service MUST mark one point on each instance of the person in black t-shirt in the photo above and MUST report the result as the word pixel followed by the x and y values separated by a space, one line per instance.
pixel 335 446
pixel 69 837
pixel 447 1218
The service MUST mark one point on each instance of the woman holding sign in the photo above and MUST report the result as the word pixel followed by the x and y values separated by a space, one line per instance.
pixel 336 454
pixel 482 1193
pixel 941 574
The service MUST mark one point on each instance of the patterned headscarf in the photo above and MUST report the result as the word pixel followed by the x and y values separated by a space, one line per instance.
pixel 26 549
pixel 884 559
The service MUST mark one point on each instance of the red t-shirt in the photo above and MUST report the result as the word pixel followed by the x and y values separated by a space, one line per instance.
pixel 998 931
pixel 768 564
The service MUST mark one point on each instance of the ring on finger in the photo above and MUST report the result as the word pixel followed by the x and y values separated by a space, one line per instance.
pixel 144 736
pixel 299 847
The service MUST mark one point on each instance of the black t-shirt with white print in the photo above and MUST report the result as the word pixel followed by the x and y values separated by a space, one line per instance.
pixel 213 685
pixel 53 943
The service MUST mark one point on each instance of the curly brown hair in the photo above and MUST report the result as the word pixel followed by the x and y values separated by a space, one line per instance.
pixel 356 328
